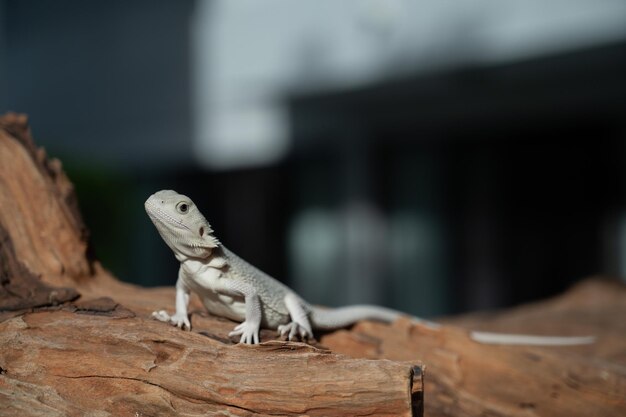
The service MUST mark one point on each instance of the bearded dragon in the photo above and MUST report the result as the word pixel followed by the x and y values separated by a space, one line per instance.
pixel 230 287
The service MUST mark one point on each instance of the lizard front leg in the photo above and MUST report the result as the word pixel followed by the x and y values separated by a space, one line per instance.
pixel 300 324
pixel 181 317
pixel 249 329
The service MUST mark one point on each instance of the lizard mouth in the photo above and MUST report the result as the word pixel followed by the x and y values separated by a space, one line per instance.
pixel 157 214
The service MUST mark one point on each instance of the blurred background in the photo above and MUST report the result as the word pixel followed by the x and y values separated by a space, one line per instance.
pixel 434 156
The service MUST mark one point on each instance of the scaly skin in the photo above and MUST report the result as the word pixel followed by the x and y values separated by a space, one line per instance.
pixel 227 285
pixel 230 287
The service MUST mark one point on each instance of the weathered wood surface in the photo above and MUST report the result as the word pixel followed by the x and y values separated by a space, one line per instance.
pixel 88 360
pixel 39 211
pixel 63 355
pixel 469 379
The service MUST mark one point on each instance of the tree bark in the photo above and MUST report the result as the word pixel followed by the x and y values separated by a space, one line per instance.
pixel 76 341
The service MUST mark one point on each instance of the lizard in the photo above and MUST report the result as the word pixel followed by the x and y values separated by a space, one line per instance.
pixel 232 288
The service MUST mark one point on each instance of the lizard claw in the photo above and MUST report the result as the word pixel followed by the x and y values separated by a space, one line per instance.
pixel 249 333
pixel 179 320
pixel 294 330
pixel 161 315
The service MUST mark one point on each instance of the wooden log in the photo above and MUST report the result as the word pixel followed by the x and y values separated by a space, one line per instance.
pixel 103 355
pixel 467 379
pixel 88 361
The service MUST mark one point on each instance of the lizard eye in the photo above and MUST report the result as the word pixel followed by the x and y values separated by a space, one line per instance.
pixel 182 207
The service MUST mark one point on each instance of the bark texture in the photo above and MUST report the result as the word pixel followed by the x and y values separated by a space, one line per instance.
pixel 76 341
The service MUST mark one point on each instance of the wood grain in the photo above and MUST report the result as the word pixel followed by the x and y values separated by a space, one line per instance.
pixel 130 365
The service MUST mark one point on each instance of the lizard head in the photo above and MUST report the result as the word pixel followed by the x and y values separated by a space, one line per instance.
pixel 180 224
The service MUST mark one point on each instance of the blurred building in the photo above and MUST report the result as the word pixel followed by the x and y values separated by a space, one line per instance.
pixel 428 155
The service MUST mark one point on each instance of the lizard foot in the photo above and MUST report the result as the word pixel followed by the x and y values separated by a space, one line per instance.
pixel 179 320
pixel 294 330
pixel 161 315
pixel 249 333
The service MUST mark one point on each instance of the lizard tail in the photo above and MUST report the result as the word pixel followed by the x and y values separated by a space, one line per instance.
pixel 489 338
pixel 334 318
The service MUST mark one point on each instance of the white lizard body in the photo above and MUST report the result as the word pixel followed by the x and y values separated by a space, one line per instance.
pixel 230 287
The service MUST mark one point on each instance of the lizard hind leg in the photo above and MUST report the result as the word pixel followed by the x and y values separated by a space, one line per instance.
pixel 300 326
